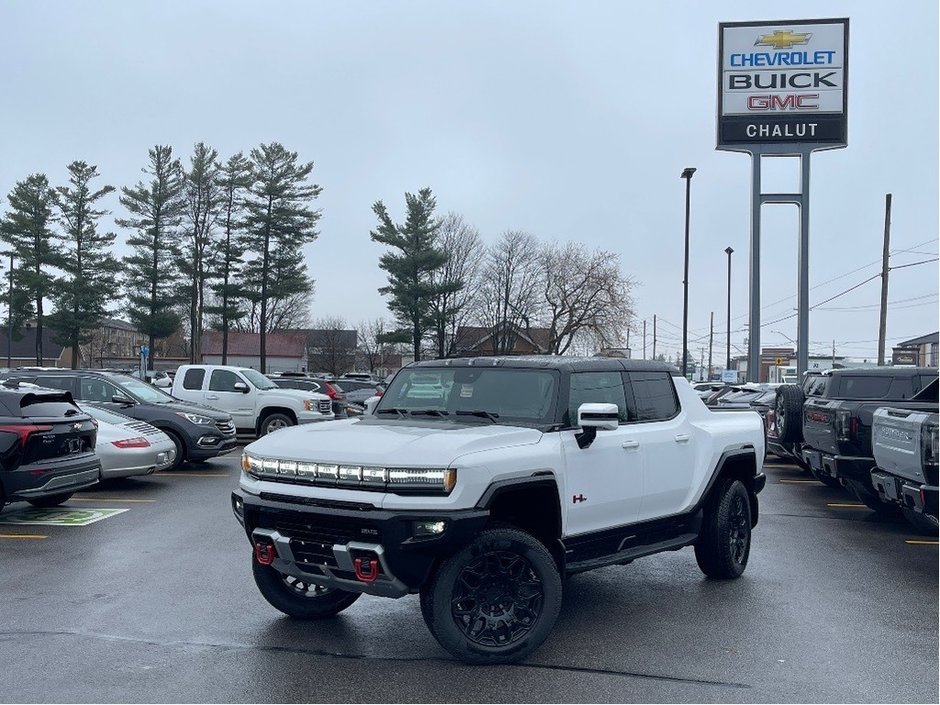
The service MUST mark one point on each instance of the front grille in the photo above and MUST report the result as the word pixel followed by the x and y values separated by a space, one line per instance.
pixel 226 427
pixel 313 543
pixel 143 428
pixel 324 406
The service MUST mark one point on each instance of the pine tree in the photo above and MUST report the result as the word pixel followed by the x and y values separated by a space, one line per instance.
pixel 90 283
pixel 156 210
pixel 27 228
pixel 202 195
pixel 234 178
pixel 410 285
pixel 278 223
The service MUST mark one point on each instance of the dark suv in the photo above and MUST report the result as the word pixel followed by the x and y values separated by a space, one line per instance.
pixel 47 446
pixel 199 432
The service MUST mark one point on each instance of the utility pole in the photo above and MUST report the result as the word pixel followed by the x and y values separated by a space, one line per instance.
pixel 883 325
pixel 654 336
pixel 644 338
pixel 711 334
pixel 10 319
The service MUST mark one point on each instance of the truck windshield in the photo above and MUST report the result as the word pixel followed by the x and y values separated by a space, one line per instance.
pixel 506 396
pixel 258 379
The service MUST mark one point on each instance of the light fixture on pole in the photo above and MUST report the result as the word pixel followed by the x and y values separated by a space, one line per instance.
pixel 687 175
pixel 728 251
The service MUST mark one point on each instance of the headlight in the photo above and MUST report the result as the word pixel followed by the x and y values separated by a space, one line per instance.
pixel 197 419
pixel 397 480
pixel 311 405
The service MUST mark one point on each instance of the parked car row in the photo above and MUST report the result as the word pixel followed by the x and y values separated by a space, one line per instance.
pixel 873 432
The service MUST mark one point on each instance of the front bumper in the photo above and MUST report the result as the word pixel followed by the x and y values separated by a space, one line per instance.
pixel 304 417
pixel 320 542
pixel 211 445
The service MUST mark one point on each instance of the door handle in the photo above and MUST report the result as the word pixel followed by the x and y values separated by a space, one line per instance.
pixel 631 444
pixel 682 437
pixel 212 396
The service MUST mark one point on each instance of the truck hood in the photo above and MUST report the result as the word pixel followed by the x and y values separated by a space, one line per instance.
pixel 297 395
pixel 389 442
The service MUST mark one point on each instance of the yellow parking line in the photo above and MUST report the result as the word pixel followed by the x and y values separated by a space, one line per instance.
pixel 846 505
pixel 23 536
pixel 922 543
pixel 799 482
pixel 108 499
pixel 191 474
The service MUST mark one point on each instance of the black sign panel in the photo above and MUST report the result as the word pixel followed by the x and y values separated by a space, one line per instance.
pixel 744 129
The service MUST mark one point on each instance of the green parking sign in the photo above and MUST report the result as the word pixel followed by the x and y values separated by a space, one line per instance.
pixel 58 516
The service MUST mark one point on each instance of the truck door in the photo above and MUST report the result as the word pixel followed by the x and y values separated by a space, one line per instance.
pixel 656 421
pixel 603 482
pixel 222 394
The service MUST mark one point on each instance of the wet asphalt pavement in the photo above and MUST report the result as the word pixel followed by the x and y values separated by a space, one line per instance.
pixel 158 605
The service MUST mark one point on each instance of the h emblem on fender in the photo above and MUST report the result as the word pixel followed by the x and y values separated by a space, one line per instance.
pixel 578 498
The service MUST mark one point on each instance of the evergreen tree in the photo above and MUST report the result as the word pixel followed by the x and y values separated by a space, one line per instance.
pixel 278 223
pixel 202 195
pixel 156 210
pixel 18 304
pixel 410 285
pixel 27 228
pixel 234 178
pixel 90 283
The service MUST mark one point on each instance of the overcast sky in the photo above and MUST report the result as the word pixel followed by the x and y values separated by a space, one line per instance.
pixel 571 120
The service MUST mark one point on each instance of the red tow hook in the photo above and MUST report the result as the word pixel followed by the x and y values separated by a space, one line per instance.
pixel 265 553
pixel 371 571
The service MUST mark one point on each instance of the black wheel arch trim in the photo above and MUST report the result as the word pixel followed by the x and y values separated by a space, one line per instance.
pixel 540 480
pixel 754 486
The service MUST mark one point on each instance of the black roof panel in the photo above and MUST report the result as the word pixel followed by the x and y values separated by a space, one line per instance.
pixel 568 363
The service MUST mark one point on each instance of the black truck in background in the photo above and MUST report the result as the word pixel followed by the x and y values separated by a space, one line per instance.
pixel 837 426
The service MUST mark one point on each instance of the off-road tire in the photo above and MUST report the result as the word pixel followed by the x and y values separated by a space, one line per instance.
pixel 506 577
pixel 724 545
pixel 276 419
pixel 788 413
pixel 53 500
pixel 281 595
pixel 922 524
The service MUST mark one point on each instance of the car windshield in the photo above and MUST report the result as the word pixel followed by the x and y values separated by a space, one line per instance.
pixel 473 395
pixel 258 379
pixel 143 391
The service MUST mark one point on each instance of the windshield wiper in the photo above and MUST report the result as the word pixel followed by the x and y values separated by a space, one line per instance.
pixel 429 412
pixel 394 410
pixel 482 414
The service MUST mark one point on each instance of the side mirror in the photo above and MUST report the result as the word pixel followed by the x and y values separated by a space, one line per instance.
pixel 118 399
pixel 371 403
pixel 594 417
pixel 241 387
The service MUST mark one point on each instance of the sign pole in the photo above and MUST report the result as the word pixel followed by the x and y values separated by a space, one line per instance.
pixel 753 331
pixel 802 304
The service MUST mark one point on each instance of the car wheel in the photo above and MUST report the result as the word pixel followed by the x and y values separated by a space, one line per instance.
pixel 275 422
pixel 788 413
pixel 916 519
pixel 724 545
pixel 53 500
pixel 495 601
pixel 299 599
pixel 180 450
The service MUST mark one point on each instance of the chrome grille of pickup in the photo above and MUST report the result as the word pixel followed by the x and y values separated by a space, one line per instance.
pixel 324 406
pixel 226 427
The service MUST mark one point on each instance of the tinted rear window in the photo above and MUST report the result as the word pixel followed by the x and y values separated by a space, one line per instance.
pixel 193 378
pixel 653 397
pixel 48 406
pixel 860 387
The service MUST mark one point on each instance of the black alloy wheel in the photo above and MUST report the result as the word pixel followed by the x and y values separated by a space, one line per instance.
pixel 724 544
pixel 297 597
pixel 739 528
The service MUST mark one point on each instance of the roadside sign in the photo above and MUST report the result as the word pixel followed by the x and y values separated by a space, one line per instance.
pixel 729 375
pixel 145 351
pixel 58 516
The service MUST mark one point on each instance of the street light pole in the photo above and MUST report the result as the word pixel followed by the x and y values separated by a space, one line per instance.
pixel 728 251
pixel 687 175
pixel 10 319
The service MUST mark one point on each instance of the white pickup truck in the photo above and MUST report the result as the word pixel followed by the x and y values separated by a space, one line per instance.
pixel 257 405
pixel 484 494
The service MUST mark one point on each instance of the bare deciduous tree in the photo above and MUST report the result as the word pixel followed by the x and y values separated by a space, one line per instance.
pixel 586 298
pixel 330 349
pixel 456 281
pixel 373 343
pixel 510 291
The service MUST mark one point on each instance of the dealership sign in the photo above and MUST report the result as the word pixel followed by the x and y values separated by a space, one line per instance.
pixel 782 82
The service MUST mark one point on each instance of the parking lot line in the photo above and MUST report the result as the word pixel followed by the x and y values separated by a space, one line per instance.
pixel 846 505
pixel 798 482
pixel 23 536
pixel 192 474
pixel 108 499
pixel 918 542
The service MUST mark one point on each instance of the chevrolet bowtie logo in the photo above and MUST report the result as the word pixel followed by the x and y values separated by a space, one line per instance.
pixel 782 39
